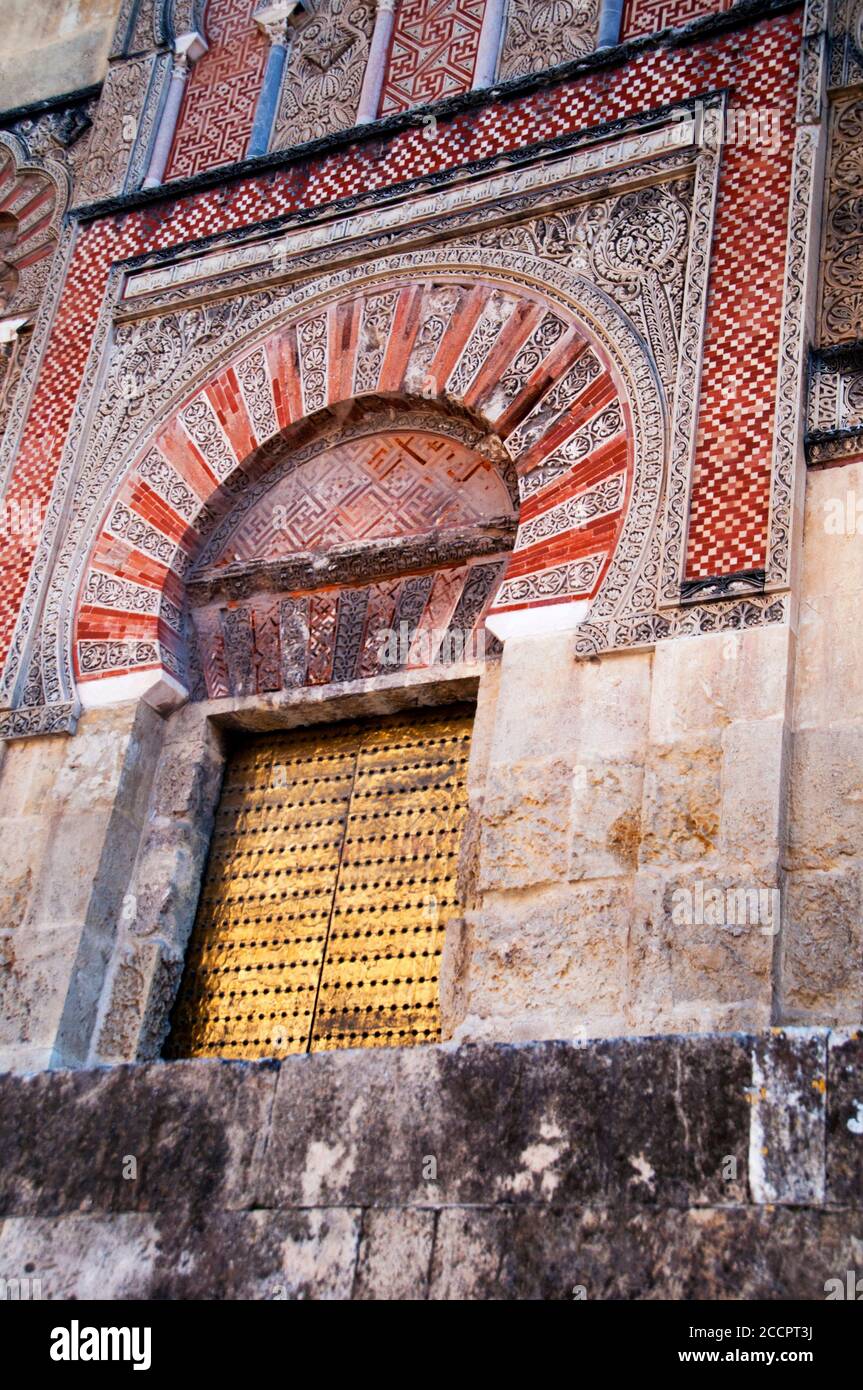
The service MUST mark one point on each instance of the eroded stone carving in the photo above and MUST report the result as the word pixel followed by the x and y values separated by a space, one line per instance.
pixel 123 127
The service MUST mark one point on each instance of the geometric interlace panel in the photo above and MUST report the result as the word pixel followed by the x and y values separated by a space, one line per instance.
pixel 331 877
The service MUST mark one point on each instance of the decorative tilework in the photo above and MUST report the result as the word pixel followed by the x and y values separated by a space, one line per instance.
pixel 390 484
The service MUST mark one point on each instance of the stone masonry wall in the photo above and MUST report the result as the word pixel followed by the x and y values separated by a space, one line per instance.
pixel 71 814
pixel 605 792
pixel 822 944
pixel 675 1167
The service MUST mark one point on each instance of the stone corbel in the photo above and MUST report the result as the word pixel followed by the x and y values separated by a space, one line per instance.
pixel 373 81
pixel 188 48
pixel 276 23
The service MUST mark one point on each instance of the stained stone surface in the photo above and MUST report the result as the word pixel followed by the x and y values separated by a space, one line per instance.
pixel 697 1167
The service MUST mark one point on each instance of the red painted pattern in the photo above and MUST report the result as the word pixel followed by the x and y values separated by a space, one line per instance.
pixel 219 103
pixel 646 16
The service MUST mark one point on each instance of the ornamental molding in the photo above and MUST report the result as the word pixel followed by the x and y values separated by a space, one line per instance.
pixel 292 252
pixel 799 292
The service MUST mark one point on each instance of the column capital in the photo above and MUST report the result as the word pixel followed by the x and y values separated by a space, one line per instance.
pixel 273 20
pixel 188 48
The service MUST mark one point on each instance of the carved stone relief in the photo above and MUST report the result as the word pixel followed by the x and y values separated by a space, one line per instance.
pixel 635 246
pixel 542 33
pixel 630 247
pixel 324 74
pixel 123 127
pixel 846 43
pixel 835 406
pixel 841 318
pixel 138 345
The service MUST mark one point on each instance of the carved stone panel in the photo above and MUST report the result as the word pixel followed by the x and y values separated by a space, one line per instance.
pixel 835 407
pixel 321 88
pixel 123 128
pixel 846 43
pixel 542 33
pixel 841 318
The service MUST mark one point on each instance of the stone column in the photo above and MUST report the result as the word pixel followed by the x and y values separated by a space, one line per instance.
pixel 274 22
pixel 373 82
pixel 187 50
pixel 610 17
pixel 485 71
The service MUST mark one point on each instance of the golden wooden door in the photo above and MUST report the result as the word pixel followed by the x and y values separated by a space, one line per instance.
pixel 331 877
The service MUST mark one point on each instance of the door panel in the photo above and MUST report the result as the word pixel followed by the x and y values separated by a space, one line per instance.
pixel 331 877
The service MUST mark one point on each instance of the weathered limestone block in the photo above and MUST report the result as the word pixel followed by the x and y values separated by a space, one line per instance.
pixel 23 844
pixel 293 1255
pixel 483 728
pixel 192 1128
pixel 752 814
pixel 829 673
pixel 610 708
pixel 702 684
pixel 71 812
pixel 789 1074
pixel 394 1255
pixel 626 1168
pixel 826 797
pixel 158 909
pixel 538 690
pixel 82 1257
pixel 606 819
pixel 36 966
pixel 541 1122
pixel 682 798
pixel 822 946
pixel 541 1253
pixel 548 965
pixel 689 969
pixel 525 824
pixel 833 543
pixel 455 1125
